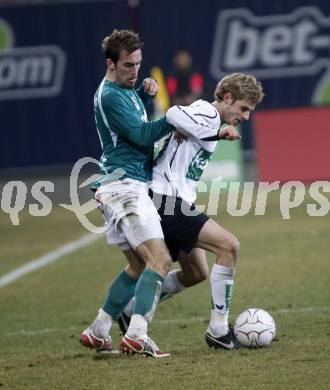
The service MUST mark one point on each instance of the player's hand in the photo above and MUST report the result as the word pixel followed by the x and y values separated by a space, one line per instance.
pixel 150 86
pixel 179 137
pixel 229 133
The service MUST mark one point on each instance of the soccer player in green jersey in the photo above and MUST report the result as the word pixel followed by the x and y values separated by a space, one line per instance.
pixel 127 140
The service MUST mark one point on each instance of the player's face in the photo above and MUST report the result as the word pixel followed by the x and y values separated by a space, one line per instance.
pixel 127 68
pixel 237 111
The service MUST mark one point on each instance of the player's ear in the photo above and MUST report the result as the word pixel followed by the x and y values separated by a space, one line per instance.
pixel 110 64
pixel 228 98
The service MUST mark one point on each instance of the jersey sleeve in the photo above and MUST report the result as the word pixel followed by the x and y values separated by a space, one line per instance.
pixel 193 120
pixel 144 96
pixel 119 117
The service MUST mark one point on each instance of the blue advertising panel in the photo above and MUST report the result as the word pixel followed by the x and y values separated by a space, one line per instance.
pixel 51 62
pixel 286 44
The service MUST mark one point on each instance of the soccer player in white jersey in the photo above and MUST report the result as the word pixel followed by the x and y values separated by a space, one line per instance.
pixel 175 177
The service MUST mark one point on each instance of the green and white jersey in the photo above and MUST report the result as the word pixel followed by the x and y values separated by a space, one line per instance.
pixel 179 167
pixel 126 136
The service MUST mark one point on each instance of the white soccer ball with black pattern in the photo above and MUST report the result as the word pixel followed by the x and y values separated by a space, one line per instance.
pixel 255 328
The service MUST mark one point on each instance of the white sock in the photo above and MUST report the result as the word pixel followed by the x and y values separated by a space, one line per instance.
pixel 222 283
pixel 171 284
pixel 129 307
pixel 138 326
pixel 102 324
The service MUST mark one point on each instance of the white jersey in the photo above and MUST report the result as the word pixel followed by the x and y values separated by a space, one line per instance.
pixel 179 167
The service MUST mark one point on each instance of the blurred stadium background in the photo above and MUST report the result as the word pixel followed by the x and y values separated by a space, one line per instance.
pixel 51 63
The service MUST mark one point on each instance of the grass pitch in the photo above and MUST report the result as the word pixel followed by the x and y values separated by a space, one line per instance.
pixel 284 268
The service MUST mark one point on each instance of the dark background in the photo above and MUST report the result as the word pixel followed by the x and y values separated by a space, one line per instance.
pixel 60 130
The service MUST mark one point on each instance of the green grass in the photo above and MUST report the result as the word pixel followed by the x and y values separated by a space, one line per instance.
pixel 35 236
pixel 284 268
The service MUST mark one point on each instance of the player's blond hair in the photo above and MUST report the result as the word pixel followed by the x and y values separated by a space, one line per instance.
pixel 241 86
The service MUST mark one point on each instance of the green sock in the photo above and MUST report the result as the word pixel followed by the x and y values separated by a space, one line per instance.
pixel 147 292
pixel 120 293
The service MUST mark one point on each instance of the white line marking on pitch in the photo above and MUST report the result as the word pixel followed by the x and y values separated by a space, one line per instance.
pixel 50 257
pixel 24 332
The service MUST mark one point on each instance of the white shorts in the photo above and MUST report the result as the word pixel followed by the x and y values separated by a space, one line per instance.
pixel 129 213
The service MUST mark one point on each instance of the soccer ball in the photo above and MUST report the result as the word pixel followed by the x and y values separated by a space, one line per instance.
pixel 255 328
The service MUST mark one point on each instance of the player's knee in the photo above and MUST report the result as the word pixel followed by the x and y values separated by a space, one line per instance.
pixel 162 264
pixel 229 248
pixel 234 248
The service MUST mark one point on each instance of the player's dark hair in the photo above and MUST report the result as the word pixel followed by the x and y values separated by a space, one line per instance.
pixel 241 86
pixel 118 40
